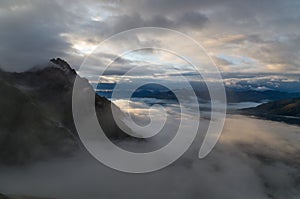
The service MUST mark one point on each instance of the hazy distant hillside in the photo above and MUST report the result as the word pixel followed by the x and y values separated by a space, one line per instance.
pixel 36 120
pixel 282 110
pixel 288 107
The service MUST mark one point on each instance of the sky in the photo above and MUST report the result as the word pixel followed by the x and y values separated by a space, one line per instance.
pixel 241 36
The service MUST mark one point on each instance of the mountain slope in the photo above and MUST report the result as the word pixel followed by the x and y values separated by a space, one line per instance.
pixel 36 114
pixel 289 107
pixel 3 196
pixel 26 133
pixel 282 110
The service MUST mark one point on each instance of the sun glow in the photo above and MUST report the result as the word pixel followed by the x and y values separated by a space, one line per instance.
pixel 84 48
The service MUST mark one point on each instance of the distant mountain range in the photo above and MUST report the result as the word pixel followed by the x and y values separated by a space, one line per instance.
pixel 287 110
pixel 36 120
pixel 278 105
pixel 233 95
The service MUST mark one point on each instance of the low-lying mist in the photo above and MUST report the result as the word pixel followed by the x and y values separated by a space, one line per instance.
pixel 253 159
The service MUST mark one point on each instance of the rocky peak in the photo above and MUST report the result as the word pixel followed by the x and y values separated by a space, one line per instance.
pixel 61 64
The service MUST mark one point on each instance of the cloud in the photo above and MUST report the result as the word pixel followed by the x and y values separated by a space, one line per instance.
pixel 267 32
pixel 257 161
pixel 262 81
pixel 30 34
pixel 222 61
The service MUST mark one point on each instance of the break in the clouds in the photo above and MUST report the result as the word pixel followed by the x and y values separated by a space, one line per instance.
pixel 242 36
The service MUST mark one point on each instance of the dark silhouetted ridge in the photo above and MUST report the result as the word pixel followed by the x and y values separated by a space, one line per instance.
pixel 36 120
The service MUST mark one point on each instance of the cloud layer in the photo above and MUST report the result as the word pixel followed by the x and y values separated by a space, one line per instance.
pixel 259 162
pixel 243 36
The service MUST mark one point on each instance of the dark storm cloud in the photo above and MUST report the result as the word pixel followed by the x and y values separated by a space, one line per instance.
pixel 239 8
pixel 120 23
pixel 32 32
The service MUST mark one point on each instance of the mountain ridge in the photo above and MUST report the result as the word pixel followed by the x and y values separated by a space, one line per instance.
pixel 38 121
pixel 233 95
pixel 286 110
